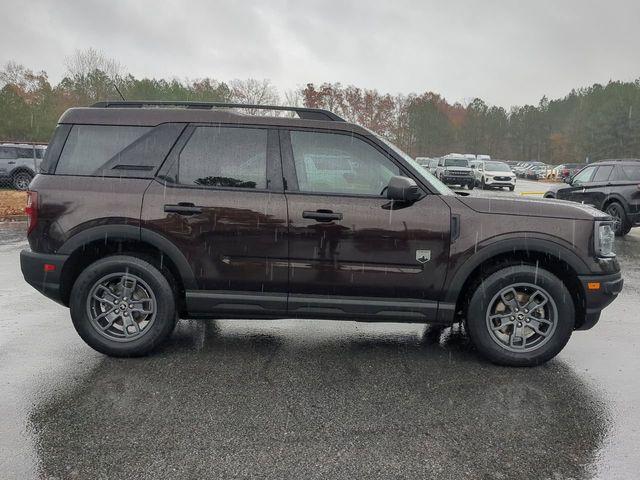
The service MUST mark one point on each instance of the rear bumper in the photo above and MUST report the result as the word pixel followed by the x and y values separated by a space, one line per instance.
pixel 46 282
pixel 597 299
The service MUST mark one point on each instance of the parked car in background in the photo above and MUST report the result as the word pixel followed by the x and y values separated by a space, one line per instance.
pixel 433 166
pixel 489 174
pixel 612 186
pixel 567 170
pixel 19 163
pixel 455 170
pixel 144 213
pixel 424 161
pixel 537 172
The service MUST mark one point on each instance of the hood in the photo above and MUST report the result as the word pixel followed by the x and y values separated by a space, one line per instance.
pixel 533 207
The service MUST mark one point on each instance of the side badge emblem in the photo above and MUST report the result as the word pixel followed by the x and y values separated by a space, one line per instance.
pixel 423 256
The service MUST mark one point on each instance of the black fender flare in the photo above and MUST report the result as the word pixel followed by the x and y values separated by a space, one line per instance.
pixel 136 233
pixel 501 246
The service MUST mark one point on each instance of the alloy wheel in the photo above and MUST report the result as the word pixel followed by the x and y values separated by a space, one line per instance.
pixel 121 307
pixel 521 317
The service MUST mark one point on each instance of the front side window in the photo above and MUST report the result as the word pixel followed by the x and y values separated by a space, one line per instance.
pixel 225 157
pixel 584 175
pixel 342 164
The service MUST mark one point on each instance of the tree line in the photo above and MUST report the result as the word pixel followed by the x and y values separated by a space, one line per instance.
pixel 596 122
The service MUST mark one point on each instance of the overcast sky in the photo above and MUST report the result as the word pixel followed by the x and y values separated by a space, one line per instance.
pixel 508 52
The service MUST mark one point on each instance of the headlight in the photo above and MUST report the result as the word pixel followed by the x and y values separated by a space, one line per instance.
pixel 604 237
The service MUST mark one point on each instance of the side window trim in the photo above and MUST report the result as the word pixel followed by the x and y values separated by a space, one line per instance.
pixel 289 169
pixel 273 168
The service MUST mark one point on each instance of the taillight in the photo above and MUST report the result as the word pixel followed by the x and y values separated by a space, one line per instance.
pixel 31 210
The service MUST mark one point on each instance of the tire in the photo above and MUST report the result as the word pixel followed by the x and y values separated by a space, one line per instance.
pixel 549 195
pixel 503 346
pixel 153 309
pixel 622 224
pixel 470 185
pixel 512 188
pixel 21 180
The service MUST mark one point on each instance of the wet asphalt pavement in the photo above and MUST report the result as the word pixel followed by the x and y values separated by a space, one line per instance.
pixel 312 399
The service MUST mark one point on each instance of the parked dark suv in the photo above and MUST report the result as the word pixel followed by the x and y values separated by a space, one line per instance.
pixel 612 186
pixel 144 214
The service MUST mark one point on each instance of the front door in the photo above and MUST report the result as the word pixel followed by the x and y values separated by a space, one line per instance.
pixel 353 253
pixel 219 200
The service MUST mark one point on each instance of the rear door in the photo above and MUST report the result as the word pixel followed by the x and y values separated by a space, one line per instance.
pixel 219 200
pixel 354 253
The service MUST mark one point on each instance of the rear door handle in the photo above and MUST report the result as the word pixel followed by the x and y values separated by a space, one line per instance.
pixel 183 208
pixel 322 215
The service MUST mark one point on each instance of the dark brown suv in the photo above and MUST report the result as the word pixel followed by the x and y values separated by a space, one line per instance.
pixel 146 212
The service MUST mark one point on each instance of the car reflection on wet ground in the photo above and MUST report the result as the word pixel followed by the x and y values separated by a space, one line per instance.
pixel 312 399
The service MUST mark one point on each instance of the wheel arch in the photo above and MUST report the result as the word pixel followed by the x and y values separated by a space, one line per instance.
pixel 551 256
pixel 89 245
pixel 617 198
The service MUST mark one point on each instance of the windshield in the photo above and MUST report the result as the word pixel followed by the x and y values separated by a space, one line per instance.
pixel 456 162
pixel 497 167
pixel 427 177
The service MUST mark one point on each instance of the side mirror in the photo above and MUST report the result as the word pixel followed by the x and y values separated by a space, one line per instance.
pixel 403 189
pixel 567 179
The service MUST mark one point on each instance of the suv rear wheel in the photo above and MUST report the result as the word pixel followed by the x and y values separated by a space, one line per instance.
pixel 621 223
pixel 123 306
pixel 21 180
pixel 520 316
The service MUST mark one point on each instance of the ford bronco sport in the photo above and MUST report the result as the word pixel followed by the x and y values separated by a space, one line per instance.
pixel 144 213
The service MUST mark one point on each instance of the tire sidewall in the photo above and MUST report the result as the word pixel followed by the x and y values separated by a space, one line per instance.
pixel 622 226
pixel 165 306
pixel 479 303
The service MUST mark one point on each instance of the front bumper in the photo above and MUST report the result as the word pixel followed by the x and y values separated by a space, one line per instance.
pixel 596 299
pixel 48 282
pixel 506 183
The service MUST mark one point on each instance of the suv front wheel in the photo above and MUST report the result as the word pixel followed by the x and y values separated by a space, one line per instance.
pixel 123 306
pixel 520 316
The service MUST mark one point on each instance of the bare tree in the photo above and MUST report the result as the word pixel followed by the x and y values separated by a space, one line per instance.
pixel 254 92
pixel 84 62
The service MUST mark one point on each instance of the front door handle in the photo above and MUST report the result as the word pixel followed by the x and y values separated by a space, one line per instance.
pixel 322 215
pixel 183 208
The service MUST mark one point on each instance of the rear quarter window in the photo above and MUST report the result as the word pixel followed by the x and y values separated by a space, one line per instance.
pixel 631 172
pixel 116 151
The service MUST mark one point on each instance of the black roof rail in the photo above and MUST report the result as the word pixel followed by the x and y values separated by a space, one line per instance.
pixel 303 112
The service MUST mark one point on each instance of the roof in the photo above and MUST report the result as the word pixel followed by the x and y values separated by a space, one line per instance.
pixel 614 160
pixel 152 113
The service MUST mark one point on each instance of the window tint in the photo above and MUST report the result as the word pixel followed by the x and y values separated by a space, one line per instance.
pixel 90 147
pixel 25 153
pixel 225 157
pixel 602 174
pixel 7 152
pixel 335 163
pixel 631 172
pixel 584 175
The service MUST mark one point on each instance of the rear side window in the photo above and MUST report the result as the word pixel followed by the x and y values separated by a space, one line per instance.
pixel 116 151
pixel 90 147
pixel 224 157
pixel 602 173
pixel 631 172
pixel 26 153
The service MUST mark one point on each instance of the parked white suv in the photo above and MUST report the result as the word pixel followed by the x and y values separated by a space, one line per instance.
pixel 19 163
pixel 493 174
